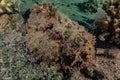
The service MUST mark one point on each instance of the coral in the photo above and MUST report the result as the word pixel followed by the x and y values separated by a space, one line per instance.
pixel 7 6
pixel 56 40
pixel 11 21
pixel 109 27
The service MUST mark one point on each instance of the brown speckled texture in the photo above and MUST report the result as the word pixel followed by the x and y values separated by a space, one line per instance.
pixel 18 64
pixel 55 39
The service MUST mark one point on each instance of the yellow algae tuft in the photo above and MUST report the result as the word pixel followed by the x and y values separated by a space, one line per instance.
pixel 109 26
pixel 7 6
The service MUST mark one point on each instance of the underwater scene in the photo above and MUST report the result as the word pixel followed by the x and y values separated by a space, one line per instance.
pixel 59 39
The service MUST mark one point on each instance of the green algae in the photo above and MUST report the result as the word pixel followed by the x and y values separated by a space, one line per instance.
pixel 82 11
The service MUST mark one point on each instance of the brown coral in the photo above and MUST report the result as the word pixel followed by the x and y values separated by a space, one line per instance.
pixel 110 25
pixel 54 39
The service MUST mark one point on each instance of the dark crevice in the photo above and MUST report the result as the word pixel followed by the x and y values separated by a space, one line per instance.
pixel 26 14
